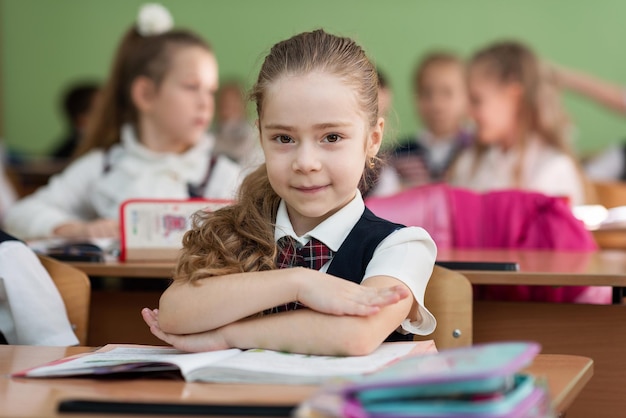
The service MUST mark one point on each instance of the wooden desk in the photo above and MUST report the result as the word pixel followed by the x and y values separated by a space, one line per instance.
pixel 135 269
pixel 595 331
pixel 610 238
pixel 566 376
pixel 545 268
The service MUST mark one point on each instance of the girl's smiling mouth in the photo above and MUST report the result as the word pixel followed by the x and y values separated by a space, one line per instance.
pixel 310 189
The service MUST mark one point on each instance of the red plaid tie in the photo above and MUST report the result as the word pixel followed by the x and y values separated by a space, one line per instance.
pixel 313 255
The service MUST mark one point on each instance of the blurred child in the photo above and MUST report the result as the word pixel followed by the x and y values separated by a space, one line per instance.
pixel 234 135
pixel 78 104
pixel 8 192
pixel 521 128
pixel 147 138
pixel 441 103
pixel 316 99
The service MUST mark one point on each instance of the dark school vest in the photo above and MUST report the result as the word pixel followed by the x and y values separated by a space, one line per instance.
pixel 352 258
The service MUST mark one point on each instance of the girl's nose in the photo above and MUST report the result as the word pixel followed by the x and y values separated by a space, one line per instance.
pixel 306 158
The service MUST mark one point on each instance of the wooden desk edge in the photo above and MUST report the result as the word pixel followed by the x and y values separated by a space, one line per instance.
pixel 162 270
pixel 542 279
pixel 542 364
pixel 574 386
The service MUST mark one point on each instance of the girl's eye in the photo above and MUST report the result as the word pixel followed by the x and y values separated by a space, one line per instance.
pixel 283 139
pixel 332 138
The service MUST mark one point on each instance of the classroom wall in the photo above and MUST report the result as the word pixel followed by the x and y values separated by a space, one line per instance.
pixel 46 44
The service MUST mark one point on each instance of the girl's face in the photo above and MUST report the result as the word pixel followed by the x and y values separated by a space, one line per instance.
pixel 442 99
pixel 183 104
pixel 494 107
pixel 316 140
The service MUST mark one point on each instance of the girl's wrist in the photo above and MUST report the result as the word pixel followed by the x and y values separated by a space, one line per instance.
pixel 301 281
pixel 233 336
pixel 223 341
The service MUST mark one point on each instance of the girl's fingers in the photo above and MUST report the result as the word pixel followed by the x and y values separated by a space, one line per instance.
pixel 378 298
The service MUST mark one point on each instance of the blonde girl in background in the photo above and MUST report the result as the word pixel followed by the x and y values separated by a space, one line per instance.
pixel 521 128
pixel 147 138
pixel 316 100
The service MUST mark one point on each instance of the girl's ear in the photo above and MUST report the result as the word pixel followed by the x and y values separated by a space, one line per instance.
pixel 375 139
pixel 143 93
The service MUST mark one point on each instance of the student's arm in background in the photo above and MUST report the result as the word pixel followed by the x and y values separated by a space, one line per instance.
pixel 65 199
pixel 605 93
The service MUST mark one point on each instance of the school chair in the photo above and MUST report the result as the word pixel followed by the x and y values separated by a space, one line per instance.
pixel 75 289
pixel 449 298
pixel 610 194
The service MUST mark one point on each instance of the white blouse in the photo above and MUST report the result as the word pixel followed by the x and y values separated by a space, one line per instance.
pixel 544 169
pixel 407 254
pixel 86 190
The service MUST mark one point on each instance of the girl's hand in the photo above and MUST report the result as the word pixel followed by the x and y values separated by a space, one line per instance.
pixel 332 295
pixel 100 228
pixel 203 341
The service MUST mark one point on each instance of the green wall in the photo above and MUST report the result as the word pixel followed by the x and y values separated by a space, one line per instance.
pixel 47 44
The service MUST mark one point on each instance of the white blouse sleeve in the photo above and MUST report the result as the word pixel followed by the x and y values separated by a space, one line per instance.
pixel 408 255
pixel 65 198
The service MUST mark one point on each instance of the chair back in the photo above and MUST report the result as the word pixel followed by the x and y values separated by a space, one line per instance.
pixel 610 194
pixel 75 289
pixel 449 298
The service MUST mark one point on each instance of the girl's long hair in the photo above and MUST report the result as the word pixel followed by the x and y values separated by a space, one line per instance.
pixel 240 237
pixel 137 55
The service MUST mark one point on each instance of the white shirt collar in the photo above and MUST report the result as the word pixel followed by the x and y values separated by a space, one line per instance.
pixel 130 141
pixel 332 232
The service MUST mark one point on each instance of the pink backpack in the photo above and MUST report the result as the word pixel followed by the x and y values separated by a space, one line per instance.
pixel 461 218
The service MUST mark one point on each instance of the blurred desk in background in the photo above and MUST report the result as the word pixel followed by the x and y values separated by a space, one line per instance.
pixel 29 175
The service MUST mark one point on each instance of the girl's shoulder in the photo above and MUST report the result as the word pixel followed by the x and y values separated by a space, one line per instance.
pixel 91 161
pixel 541 150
